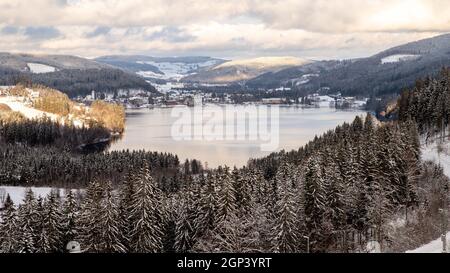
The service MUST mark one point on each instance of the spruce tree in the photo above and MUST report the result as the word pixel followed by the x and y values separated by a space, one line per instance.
pixel 51 226
pixel 184 232
pixel 28 222
pixel 146 215
pixel 314 201
pixel 70 222
pixel 111 234
pixel 287 224
pixel 91 212
pixel 8 227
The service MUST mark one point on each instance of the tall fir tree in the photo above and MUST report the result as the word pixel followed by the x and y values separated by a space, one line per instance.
pixel 146 215
pixel 28 222
pixel 111 234
pixel 8 227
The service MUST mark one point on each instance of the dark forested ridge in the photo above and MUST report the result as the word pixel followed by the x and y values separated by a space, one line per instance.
pixel 372 76
pixel 76 82
pixel 73 75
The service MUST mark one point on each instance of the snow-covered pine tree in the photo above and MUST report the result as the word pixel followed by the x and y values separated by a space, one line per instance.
pixel 50 239
pixel 314 201
pixel 241 183
pixel 286 230
pixel 146 215
pixel 336 202
pixel 111 234
pixel 127 190
pixel 91 211
pixel 8 227
pixel 206 207
pixel 28 222
pixel 184 233
pixel 70 221
pixel 226 199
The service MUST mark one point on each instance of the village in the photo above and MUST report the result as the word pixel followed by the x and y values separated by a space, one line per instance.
pixel 136 99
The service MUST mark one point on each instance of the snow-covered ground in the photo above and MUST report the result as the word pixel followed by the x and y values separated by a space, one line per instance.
pixel 23 106
pixel 174 71
pixel 440 154
pixel 17 193
pixel 399 58
pixel 18 104
pixel 164 88
pixel 40 68
pixel 432 247
pixel 265 62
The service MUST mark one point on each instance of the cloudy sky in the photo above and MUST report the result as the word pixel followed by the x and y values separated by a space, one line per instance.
pixel 316 29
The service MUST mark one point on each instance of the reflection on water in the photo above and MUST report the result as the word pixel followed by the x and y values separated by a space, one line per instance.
pixel 150 129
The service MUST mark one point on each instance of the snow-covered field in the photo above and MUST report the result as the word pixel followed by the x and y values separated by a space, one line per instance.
pixel 399 58
pixel 17 104
pixel 174 71
pixel 40 68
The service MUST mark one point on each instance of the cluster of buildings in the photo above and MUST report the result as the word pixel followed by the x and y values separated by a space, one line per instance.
pixel 135 98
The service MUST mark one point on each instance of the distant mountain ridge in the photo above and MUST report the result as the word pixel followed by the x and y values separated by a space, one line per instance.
pixel 243 70
pixel 387 72
pixel 160 68
pixel 21 61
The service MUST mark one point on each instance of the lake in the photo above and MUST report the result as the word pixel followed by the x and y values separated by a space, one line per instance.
pixel 152 130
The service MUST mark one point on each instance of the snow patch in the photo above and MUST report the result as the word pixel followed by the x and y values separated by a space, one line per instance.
pixel 17 194
pixel 439 153
pixel 174 71
pixel 265 62
pixel 18 104
pixel 399 58
pixel 432 247
pixel 40 68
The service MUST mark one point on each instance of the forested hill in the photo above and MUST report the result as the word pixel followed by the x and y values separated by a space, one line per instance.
pixel 428 103
pixel 385 73
pixel 72 75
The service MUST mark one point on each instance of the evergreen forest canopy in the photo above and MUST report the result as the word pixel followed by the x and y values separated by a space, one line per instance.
pixel 352 185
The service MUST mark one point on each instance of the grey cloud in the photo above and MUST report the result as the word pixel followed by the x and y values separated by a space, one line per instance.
pixel 172 34
pixel 102 30
pixel 9 30
pixel 42 33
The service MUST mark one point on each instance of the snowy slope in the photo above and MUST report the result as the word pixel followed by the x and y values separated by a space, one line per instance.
pixel 265 62
pixel 23 105
pixel 245 69
pixel 432 247
pixel 399 58
pixel 174 70
pixel 430 153
pixel 440 154
pixel 40 68
pixel 17 104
